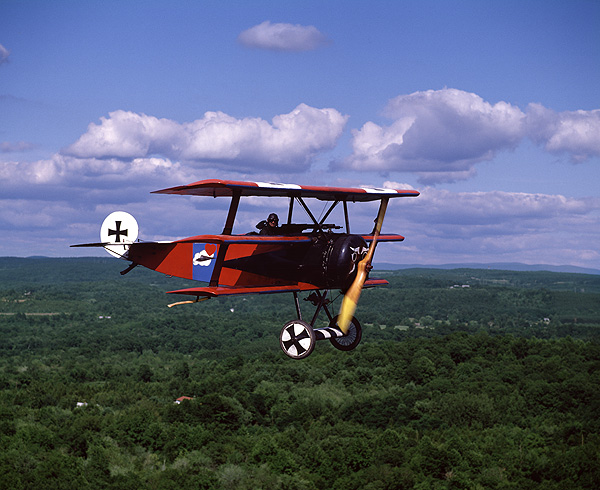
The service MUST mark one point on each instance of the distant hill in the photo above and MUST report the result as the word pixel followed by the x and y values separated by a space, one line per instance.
pixel 504 266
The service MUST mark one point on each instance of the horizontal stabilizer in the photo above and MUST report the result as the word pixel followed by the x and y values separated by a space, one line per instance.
pixel 99 244
pixel 118 232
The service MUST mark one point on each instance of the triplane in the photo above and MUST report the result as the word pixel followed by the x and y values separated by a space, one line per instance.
pixel 291 258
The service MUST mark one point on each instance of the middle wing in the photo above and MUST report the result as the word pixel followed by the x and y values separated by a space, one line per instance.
pixel 209 258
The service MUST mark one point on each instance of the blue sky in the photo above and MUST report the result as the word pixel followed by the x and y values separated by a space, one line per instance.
pixel 490 109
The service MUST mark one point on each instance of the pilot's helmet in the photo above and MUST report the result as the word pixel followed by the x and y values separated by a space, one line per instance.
pixel 273 218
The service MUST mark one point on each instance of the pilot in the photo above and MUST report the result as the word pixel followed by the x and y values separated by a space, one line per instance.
pixel 271 227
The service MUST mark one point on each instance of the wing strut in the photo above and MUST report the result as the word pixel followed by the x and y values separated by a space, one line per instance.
pixel 233 207
pixel 290 211
pixel 331 208
pixel 301 201
pixel 346 217
pixel 297 303
pixel 318 224
pixel 227 230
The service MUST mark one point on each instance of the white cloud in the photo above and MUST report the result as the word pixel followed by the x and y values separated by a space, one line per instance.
pixel 574 132
pixel 4 54
pixel 493 208
pixel 289 143
pixel 447 227
pixel 64 177
pixel 440 135
pixel 282 37
pixel 116 163
pixel 49 204
pixel 46 205
pixel 389 184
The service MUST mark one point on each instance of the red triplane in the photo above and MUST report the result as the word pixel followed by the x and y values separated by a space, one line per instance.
pixel 298 257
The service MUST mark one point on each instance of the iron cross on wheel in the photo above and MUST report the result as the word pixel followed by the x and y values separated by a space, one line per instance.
pixel 297 339
pixel 118 232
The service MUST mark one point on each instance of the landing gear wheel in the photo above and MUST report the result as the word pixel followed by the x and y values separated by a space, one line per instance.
pixel 297 339
pixel 351 339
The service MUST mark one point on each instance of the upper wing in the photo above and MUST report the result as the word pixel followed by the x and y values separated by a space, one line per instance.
pixel 217 188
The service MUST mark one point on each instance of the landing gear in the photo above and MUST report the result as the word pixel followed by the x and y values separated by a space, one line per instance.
pixel 298 338
pixel 351 339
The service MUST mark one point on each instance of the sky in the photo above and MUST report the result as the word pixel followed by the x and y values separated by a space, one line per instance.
pixel 491 109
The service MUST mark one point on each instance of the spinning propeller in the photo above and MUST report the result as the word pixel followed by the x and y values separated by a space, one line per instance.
pixel 364 266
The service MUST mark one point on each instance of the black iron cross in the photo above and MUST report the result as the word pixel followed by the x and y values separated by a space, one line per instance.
pixel 118 232
pixel 295 340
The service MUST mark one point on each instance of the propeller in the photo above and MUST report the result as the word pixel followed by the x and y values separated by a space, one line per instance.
pixel 364 266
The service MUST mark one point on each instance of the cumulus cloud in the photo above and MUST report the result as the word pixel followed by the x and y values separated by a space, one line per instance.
pixel 573 132
pixel 62 200
pixel 117 162
pixel 441 135
pixel 4 54
pixel 77 179
pixel 282 37
pixel 442 226
pixel 288 143
pixel 390 184
pixel 497 207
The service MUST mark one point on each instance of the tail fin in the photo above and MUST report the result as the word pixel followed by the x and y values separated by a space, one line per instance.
pixel 118 231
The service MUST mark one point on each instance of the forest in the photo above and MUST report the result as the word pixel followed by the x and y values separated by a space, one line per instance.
pixel 464 379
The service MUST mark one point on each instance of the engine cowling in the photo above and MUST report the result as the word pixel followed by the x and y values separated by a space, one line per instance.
pixel 334 260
